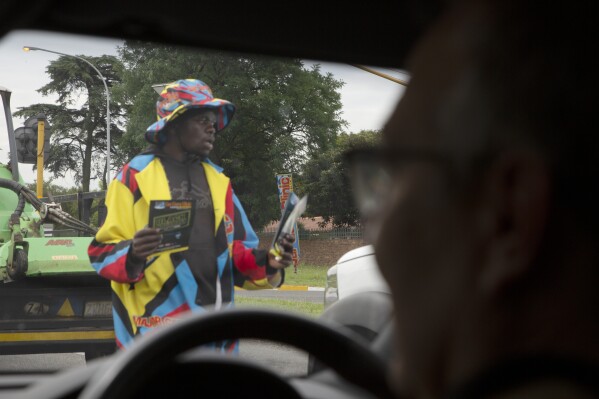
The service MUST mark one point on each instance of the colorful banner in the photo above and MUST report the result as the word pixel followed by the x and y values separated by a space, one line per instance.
pixel 285 187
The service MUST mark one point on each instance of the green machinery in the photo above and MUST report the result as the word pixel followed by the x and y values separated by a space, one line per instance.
pixel 51 299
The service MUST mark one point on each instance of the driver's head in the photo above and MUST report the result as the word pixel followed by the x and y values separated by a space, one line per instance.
pixel 488 231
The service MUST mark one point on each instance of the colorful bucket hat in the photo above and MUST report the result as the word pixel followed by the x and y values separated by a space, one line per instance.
pixel 184 94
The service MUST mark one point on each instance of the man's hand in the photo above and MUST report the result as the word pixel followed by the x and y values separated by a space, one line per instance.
pixel 286 259
pixel 145 243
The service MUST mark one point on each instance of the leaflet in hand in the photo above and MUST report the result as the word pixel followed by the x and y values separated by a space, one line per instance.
pixel 294 208
pixel 174 218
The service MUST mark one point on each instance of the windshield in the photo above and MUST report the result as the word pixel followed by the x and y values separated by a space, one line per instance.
pixel 77 110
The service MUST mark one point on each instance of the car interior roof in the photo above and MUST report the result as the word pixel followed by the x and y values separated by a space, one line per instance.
pixel 380 32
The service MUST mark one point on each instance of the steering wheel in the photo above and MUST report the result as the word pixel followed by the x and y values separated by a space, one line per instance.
pixel 154 353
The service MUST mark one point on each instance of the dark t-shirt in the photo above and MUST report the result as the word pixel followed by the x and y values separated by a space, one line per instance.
pixel 188 180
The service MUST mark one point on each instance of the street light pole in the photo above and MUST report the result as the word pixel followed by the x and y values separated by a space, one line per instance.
pixel 29 48
pixel 12 145
pixel 382 75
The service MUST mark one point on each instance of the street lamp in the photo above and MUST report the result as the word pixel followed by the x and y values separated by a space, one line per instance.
pixel 382 75
pixel 29 48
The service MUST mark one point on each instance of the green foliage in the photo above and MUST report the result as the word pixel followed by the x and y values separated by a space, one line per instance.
pixel 51 189
pixel 310 275
pixel 78 141
pixel 326 182
pixel 300 307
pixel 285 113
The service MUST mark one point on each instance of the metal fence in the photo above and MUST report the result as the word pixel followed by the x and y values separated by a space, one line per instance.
pixel 343 233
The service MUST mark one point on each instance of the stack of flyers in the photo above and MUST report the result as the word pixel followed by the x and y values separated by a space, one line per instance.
pixel 294 208
pixel 174 218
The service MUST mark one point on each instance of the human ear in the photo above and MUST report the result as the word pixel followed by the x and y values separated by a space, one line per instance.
pixel 516 202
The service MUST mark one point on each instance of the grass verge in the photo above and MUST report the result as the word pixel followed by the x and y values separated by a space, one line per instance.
pixel 310 275
pixel 305 308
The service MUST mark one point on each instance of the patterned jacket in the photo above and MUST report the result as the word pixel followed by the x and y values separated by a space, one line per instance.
pixel 166 287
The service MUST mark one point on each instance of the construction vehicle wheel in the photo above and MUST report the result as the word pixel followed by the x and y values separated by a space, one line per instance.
pixel 18 268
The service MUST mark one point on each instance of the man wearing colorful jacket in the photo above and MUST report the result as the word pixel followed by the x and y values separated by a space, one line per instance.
pixel 151 290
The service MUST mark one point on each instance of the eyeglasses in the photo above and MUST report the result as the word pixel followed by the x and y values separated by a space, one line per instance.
pixel 370 171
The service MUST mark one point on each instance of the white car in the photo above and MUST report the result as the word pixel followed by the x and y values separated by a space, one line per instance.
pixel 358 298
pixel 355 272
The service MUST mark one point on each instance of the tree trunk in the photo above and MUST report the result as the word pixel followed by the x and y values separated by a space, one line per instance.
pixel 87 162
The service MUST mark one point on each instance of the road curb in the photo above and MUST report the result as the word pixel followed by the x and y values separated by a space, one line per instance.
pixel 286 287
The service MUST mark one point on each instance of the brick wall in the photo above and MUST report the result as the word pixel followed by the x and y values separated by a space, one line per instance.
pixel 319 252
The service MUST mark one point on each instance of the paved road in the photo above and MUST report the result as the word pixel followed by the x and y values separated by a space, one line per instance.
pixel 280 358
pixel 50 361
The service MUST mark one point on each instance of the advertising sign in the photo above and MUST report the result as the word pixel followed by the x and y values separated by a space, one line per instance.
pixel 285 187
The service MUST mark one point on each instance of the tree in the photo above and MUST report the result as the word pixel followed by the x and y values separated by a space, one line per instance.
pixel 324 178
pixel 78 119
pixel 285 113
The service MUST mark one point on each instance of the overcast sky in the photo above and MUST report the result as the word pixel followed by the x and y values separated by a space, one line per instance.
pixel 367 99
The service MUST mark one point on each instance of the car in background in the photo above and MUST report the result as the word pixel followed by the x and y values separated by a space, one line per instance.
pixel 357 298
pixel 355 272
